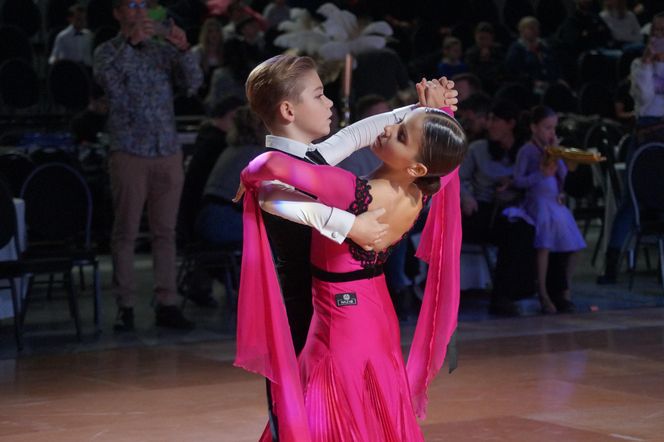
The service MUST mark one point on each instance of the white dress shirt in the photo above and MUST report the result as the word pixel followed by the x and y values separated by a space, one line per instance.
pixel 72 45
pixel 286 202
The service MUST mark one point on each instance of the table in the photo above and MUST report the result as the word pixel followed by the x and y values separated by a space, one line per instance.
pixel 9 252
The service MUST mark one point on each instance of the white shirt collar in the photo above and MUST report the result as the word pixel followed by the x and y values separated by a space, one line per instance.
pixel 288 146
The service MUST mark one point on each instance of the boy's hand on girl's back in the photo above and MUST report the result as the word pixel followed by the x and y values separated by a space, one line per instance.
pixel 367 232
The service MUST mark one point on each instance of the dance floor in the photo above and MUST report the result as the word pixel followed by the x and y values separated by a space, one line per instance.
pixel 583 377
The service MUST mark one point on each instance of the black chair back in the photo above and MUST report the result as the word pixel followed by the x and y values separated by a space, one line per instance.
pixel 19 84
pixel 560 98
pixel 551 14
pixel 14 44
pixel 69 85
pixel 49 155
pixel 22 14
pixel 596 67
pixel 7 216
pixel 518 94
pixel 645 179
pixel 58 205
pixel 595 99
pixel 15 168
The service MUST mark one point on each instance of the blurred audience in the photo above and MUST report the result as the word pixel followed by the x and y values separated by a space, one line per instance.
pixel 219 221
pixel 473 114
pixel 276 12
pixel 381 72
pixel 542 178
pixel 364 161
pixel 486 173
pixel 74 43
pixel 486 58
pixel 452 62
pixel 210 143
pixel 138 74
pixel 466 84
pixel 647 90
pixel 623 24
pixel 529 59
pixel 209 50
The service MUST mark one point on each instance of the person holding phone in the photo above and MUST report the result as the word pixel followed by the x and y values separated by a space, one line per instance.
pixel 138 74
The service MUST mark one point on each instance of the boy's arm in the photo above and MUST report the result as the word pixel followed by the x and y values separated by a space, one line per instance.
pixel 338 147
pixel 332 223
pixel 341 145
pixel 286 202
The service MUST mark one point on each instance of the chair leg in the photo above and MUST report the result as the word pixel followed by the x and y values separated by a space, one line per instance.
pixel 18 329
pixel 73 303
pixel 586 227
pixel 660 242
pixel 26 301
pixel 597 245
pixel 49 290
pixel 185 269
pixel 81 276
pixel 646 252
pixel 97 295
pixel 489 261
pixel 633 260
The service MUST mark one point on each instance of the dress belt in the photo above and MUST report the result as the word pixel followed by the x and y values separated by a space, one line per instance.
pixel 324 275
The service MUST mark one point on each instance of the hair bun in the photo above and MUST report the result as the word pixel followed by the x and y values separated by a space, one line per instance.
pixel 428 184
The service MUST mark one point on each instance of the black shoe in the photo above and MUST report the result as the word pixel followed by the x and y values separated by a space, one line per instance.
pixel 565 306
pixel 171 317
pixel 203 299
pixel 606 279
pixel 124 322
pixel 504 308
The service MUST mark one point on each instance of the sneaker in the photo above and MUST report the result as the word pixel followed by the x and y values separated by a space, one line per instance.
pixel 124 322
pixel 171 316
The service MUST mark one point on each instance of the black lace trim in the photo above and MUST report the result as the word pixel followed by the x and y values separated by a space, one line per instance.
pixel 363 198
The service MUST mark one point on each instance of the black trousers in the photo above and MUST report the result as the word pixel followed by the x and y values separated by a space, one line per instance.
pixel 516 266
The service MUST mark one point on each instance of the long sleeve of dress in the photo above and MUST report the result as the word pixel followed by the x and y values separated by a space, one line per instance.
pixel 341 145
pixel 310 178
pixel 287 202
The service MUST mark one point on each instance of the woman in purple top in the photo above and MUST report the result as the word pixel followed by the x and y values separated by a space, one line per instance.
pixel 555 227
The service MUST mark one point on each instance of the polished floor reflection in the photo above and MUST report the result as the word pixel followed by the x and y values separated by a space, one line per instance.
pixel 584 377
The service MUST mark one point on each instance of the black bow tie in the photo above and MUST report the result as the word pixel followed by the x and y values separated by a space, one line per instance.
pixel 78 33
pixel 316 157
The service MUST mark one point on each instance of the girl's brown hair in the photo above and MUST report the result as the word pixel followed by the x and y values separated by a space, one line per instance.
pixel 442 149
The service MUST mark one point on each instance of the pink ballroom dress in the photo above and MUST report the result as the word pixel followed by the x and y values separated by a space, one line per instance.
pixel 350 382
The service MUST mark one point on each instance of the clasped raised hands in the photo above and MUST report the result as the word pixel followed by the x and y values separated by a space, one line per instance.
pixel 437 93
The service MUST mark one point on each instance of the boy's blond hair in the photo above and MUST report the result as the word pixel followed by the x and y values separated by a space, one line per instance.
pixel 274 81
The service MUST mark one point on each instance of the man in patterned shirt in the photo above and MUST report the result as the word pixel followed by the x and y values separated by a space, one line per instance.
pixel 138 74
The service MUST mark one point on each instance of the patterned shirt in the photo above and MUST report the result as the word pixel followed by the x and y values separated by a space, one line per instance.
pixel 138 81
